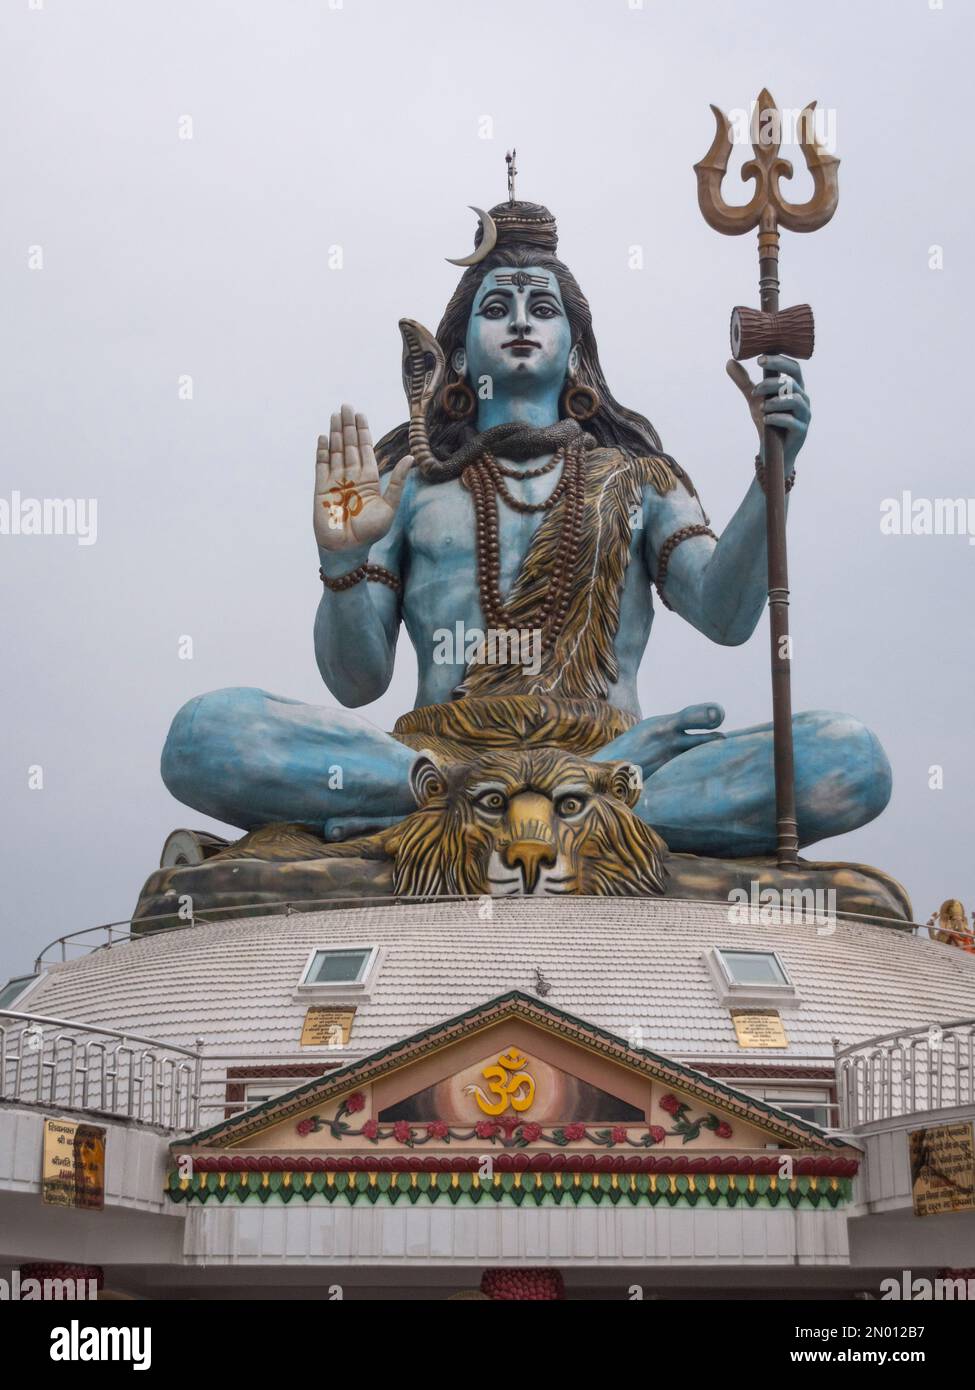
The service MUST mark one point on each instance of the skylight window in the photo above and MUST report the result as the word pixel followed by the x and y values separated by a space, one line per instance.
pixel 747 977
pixel 339 966
pixel 13 989
pixel 753 967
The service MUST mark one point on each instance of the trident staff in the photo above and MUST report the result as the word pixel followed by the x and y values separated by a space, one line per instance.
pixel 771 330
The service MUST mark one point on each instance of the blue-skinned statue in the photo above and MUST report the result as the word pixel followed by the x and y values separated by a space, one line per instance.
pixel 517 525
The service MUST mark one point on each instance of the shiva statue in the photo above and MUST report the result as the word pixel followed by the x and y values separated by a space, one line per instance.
pixel 517 525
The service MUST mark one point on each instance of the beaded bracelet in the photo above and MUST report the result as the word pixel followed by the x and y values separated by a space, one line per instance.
pixel 790 482
pixel 376 573
pixel 666 550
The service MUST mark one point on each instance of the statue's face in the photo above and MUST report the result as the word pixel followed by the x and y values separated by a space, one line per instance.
pixel 519 334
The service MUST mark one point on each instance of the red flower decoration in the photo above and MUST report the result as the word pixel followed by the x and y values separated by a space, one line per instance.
pixel 438 1130
pixel 671 1104
pixel 723 1130
pixel 305 1126
pixel 402 1131
pixel 619 1134
pixel 531 1133
pixel 370 1130
pixel 657 1134
pixel 485 1129
pixel 575 1132
pixel 355 1102
pixel 523 1285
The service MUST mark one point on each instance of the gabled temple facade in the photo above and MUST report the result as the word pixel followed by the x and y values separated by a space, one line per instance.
pixel 515 1102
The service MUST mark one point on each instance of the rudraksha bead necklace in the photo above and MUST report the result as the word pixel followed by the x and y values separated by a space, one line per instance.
pixel 484 479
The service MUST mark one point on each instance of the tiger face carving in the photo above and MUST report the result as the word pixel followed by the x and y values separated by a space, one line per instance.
pixel 540 822
pixel 537 821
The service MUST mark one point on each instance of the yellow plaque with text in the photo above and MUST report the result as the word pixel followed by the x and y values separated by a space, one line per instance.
pixel 759 1028
pixel 942 1169
pixel 73 1172
pixel 325 1027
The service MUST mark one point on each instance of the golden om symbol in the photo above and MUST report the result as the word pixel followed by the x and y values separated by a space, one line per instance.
pixel 508 1082
pixel 348 501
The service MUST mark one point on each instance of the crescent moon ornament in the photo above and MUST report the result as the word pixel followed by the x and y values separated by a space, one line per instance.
pixel 489 240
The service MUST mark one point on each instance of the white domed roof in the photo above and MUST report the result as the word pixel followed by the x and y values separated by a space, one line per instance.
pixel 616 962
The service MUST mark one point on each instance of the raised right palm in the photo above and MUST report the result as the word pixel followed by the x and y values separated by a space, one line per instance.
pixel 350 507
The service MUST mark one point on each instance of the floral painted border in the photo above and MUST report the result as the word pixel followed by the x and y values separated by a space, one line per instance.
pixel 511 1132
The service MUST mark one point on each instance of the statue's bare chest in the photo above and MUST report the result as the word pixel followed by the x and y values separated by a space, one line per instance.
pixel 442 528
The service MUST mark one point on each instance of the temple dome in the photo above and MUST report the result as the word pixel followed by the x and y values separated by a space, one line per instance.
pixel 616 962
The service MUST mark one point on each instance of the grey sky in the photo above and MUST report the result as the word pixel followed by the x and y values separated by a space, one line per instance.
pixel 361 127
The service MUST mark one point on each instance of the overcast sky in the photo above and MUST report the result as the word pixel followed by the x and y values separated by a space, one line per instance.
pixel 361 126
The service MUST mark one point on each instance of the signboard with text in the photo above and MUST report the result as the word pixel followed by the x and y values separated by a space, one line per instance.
pixel 759 1028
pixel 942 1168
pixel 325 1027
pixel 73 1172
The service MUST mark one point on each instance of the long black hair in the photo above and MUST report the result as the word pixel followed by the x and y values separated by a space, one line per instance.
pixel 613 425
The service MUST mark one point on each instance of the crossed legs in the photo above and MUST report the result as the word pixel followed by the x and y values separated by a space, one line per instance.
pixel 249 758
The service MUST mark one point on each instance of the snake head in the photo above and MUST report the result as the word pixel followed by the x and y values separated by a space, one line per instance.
pixel 423 365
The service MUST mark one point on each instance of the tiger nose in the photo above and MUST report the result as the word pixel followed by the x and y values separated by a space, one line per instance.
pixel 529 856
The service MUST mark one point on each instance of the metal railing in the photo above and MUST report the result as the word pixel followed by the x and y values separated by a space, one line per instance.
pixel 66 1064
pixel 902 1073
pixel 57 1063
pixel 78 1066
pixel 108 934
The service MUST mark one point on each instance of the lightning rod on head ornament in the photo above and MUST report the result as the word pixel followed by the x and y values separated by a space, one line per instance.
pixel 771 330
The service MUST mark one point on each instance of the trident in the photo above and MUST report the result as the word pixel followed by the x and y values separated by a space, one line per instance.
pixel 771 330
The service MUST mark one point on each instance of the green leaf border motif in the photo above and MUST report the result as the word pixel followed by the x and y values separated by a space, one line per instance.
pixel 533 1189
